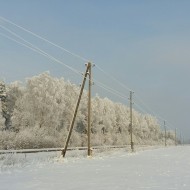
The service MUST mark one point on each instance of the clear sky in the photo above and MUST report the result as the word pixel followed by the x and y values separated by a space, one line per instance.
pixel 144 44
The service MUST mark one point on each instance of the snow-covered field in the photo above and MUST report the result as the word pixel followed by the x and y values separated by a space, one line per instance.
pixel 155 169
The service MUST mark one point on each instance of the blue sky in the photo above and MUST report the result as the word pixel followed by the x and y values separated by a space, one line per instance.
pixel 144 44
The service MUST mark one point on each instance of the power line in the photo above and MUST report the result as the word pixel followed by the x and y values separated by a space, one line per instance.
pixel 140 108
pixel 101 85
pixel 113 78
pixel 115 91
pixel 124 86
pixel 140 100
pixel 20 43
pixel 75 55
pixel 137 97
pixel 44 39
pixel 36 49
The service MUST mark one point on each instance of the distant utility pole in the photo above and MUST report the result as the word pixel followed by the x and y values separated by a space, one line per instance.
pixel 165 132
pixel 131 120
pixel 176 136
pixel 89 107
pixel 180 137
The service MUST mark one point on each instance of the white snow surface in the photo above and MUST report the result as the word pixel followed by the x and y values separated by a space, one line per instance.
pixel 154 169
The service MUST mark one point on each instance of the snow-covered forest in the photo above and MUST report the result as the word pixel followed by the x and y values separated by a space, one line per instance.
pixel 37 114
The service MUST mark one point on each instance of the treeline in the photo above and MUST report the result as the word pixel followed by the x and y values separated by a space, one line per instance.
pixel 41 110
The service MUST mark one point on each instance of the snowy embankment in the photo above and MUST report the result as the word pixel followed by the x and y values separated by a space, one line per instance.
pixel 157 169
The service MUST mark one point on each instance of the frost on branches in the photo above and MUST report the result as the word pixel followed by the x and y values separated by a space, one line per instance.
pixel 40 111
pixel 4 106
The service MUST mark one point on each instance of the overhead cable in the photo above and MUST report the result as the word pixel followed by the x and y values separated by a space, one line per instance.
pixel 44 39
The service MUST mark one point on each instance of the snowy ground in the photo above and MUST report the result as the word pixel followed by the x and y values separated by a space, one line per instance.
pixel 158 169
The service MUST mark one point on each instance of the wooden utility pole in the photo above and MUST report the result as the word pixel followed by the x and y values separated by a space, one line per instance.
pixel 180 138
pixel 165 132
pixel 75 113
pixel 131 120
pixel 89 107
pixel 176 136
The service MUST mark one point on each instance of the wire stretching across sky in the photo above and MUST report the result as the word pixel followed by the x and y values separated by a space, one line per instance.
pixel 71 53
pixel 113 91
pixel 44 39
pixel 63 49
pixel 82 58
pixel 38 50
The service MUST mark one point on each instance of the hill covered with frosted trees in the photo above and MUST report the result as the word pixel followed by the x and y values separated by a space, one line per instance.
pixel 41 111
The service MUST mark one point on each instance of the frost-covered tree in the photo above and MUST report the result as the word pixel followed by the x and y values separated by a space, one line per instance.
pixel 42 109
pixel 40 104
pixel 4 106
